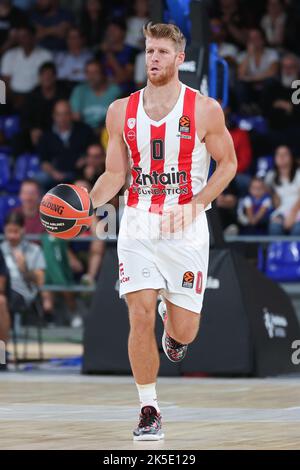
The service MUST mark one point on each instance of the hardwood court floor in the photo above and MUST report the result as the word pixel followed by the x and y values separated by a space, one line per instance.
pixel 53 411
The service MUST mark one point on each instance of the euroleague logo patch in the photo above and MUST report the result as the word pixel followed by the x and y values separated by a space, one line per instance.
pixel 184 124
pixel 188 280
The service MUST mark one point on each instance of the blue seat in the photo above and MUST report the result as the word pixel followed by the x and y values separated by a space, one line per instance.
pixel 249 123
pixel 283 261
pixel 7 203
pixel 11 126
pixel 264 164
pixel 26 166
pixel 5 170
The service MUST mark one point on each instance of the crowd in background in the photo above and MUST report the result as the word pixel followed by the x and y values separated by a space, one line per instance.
pixel 65 62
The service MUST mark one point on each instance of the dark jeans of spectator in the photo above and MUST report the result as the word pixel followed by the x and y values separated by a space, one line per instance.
pixel 276 228
pixel 242 181
pixel 250 92
pixel 47 182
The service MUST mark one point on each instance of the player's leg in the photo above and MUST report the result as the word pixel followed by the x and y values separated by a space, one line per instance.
pixel 144 360
pixel 181 324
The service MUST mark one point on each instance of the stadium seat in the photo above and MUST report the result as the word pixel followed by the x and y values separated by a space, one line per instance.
pixel 5 170
pixel 7 203
pixel 283 261
pixel 26 166
pixel 11 126
pixel 263 165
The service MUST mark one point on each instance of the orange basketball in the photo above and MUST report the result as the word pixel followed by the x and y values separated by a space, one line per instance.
pixel 66 211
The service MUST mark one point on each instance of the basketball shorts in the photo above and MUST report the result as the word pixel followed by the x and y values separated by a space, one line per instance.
pixel 176 266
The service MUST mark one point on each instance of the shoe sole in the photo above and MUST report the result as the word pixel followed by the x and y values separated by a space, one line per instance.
pixel 149 437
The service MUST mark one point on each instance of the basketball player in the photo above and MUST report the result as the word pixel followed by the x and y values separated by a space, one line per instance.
pixel 169 131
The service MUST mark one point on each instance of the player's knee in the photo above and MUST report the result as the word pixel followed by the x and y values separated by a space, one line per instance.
pixel 141 318
pixel 185 334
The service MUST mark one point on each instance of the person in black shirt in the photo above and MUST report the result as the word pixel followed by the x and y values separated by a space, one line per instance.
pixel 4 313
pixel 36 113
pixel 62 148
pixel 11 18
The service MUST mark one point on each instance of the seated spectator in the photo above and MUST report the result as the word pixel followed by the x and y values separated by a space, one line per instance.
pixel 227 204
pixel 93 22
pixel 116 57
pixel 52 24
pixel 140 74
pixel 94 164
pixel 30 197
pixel 282 112
pixel 71 64
pixel 230 13
pixel 25 263
pixel 86 258
pixel 20 65
pixel 256 66
pixel 243 150
pixel 37 111
pixel 4 312
pixel 62 147
pixel 11 18
pixel 273 22
pixel 226 50
pixel 90 100
pixel 254 209
pixel 284 181
pixel 134 36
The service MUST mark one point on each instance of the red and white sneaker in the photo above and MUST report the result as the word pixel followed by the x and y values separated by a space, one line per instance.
pixel 149 427
pixel 174 351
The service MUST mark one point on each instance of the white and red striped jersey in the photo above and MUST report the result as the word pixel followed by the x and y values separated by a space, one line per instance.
pixel 169 164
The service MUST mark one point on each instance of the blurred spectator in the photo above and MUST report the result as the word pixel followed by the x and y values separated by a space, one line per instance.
pixel 20 65
pixel 117 57
pixel 86 258
pixel 52 24
pixel 227 204
pixel 93 22
pixel 284 182
pixel 11 18
pixel 256 66
pixel 94 164
pixel 243 150
pixel 273 22
pixel 36 113
pixel 283 115
pixel 71 64
pixel 25 263
pixel 4 313
pixel 218 35
pixel 62 147
pixel 254 209
pixel 90 100
pixel 230 13
pixel 134 36
pixel 30 197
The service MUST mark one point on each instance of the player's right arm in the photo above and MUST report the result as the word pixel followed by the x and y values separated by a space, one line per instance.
pixel 116 165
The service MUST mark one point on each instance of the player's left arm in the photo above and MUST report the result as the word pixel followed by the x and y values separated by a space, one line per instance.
pixel 210 122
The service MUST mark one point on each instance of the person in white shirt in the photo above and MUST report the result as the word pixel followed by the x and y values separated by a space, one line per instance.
pixel 20 65
pixel 71 64
pixel 273 22
pixel 134 36
pixel 284 181
pixel 257 65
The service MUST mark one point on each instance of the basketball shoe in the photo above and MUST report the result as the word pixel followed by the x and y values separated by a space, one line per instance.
pixel 174 351
pixel 149 427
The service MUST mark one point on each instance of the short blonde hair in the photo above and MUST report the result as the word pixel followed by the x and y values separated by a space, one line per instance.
pixel 166 31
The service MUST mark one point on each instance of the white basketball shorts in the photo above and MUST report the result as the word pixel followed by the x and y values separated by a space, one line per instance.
pixel 176 266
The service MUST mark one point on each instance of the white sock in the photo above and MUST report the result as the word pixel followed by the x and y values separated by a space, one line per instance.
pixel 147 394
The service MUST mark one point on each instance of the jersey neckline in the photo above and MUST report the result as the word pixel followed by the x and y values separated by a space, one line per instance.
pixel 167 117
